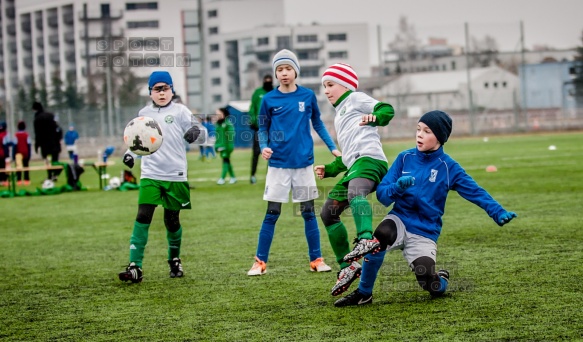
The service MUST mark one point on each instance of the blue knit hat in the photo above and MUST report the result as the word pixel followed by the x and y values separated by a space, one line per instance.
pixel 160 76
pixel 286 57
pixel 440 124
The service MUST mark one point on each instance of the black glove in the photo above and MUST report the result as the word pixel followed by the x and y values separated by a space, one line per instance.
pixel 191 135
pixel 128 160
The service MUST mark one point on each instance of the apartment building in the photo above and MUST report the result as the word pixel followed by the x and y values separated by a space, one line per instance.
pixel 216 50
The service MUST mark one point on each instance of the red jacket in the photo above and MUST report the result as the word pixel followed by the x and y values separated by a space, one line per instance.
pixel 22 144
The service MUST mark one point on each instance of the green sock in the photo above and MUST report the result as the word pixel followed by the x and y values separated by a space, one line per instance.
pixel 338 237
pixel 138 242
pixel 174 240
pixel 225 170
pixel 362 213
pixel 231 172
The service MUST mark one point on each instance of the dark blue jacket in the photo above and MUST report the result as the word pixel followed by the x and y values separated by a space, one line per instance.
pixel 422 205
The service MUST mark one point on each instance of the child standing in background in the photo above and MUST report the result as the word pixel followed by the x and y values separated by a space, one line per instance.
pixel 21 151
pixel 71 141
pixel 225 143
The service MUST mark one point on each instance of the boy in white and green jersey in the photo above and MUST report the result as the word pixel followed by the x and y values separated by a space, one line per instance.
pixel 163 178
pixel 364 164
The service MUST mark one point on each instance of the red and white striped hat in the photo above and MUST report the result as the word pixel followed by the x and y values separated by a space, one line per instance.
pixel 342 74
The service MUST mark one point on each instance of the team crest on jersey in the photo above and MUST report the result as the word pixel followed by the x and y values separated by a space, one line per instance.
pixel 433 175
pixel 302 106
pixel 343 111
pixel 169 119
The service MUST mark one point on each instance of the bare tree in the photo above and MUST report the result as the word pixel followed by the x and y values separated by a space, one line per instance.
pixel 405 44
pixel 485 51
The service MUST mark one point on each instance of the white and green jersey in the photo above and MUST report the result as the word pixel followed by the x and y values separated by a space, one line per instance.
pixel 169 162
pixel 360 141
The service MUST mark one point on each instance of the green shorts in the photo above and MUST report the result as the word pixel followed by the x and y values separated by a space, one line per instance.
pixel 364 167
pixel 170 195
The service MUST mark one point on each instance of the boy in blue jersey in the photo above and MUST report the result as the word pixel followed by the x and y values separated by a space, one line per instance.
pixel 417 185
pixel 364 165
pixel 286 143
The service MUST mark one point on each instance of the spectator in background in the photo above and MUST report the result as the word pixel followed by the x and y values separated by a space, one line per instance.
pixel 209 147
pixel 225 144
pixel 253 115
pixel 48 137
pixel 3 154
pixel 21 152
pixel 71 138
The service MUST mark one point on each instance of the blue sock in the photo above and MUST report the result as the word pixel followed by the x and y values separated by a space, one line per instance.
pixel 370 269
pixel 266 236
pixel 312 235
pixel 442 286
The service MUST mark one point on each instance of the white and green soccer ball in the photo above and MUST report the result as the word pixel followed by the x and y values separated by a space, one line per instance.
pixel 143 135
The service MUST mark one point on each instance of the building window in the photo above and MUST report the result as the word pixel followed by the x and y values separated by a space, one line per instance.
pixel 495 84
pixel 337 37
pixel 212 13
pixel 263 41
pixel 308 55
pixel 215 64
pixel 310 72
pixel 213 30
pixel 214 47
pixel 217 98
pixel 338 54
pixel 304 38
pixel 485 84
pixel 283 42
pixel 264 57
pixel 452 65
pixel 504 84
pixel 131 6
pixel 216 81
pixel 143 24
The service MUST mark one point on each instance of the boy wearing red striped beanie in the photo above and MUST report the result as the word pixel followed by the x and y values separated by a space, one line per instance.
pixel 364 165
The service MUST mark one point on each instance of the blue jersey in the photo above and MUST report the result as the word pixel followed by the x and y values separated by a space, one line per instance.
pixel 284 126
pixel 422 205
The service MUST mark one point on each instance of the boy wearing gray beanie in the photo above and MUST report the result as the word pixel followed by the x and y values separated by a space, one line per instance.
pixel 417 185
pixel 285 140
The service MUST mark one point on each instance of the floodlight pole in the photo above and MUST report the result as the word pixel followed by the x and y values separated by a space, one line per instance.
pixel 469 78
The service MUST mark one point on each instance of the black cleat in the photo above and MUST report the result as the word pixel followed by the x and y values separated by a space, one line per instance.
pixel 132 273
pixel 175 268
pixel 355 298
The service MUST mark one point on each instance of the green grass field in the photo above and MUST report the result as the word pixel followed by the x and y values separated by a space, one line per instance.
pixel 522 282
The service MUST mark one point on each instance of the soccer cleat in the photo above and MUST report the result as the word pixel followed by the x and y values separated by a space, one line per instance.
pixel 221 181
pixel 253 180
pixel 132 273
pixel 355 298
pixel 258 268
pixel 345 277
pixel 175 268
pixel 443 274
pixel 233 180
pixel 361 248
pixel 319 265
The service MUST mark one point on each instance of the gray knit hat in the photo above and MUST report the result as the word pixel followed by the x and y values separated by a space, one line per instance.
pixel 286 57
pixel 440 124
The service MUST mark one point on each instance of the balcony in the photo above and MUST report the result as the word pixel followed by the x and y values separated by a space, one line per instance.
pixel 53 21
pixel 11 28
pixel 312 63
pixel 55 58
pixel 70 56
pixel 69 37
pixel 28 62
pixel 68 18
pixel 308 45
pixel 40 42
pixel 10 12
pixel 39 23
pixel 54 39
pixel 27 44
pixel 115 33
pixel 98 15
pixel 25 26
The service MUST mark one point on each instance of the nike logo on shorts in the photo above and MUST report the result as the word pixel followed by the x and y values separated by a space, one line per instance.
pixel 185 204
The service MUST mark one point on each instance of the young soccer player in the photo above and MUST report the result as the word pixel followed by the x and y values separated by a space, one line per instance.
pixel 22 146
pixel 286 142
pixel 417 185
pixel 365 164
pixel 163 176
pixel 225 133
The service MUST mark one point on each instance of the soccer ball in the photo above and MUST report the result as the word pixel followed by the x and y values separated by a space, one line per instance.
pixel 114 182
pixel 143 135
